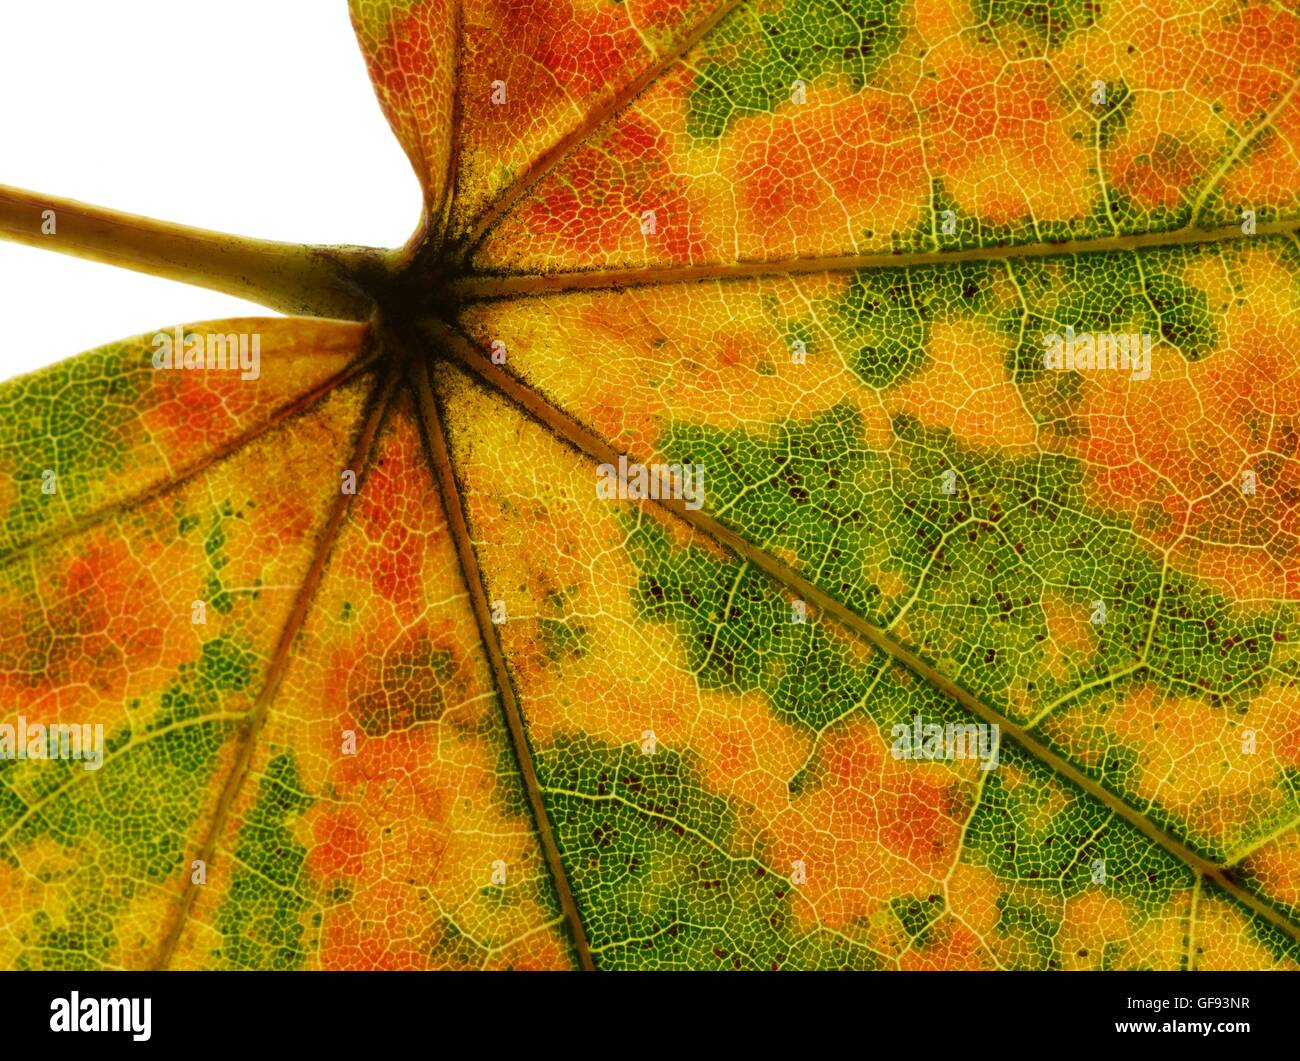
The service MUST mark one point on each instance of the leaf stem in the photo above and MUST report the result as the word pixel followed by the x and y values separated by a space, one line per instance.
pixel 292 278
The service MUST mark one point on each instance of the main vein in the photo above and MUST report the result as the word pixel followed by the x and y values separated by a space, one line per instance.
pixel 362 453
pixel 439 456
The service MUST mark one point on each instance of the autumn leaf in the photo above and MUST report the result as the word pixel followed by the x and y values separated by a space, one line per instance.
pixel 819 490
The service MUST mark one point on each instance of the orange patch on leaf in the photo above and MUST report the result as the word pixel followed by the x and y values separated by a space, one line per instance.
pixel 998 136
pixel 872 828
pixel 816 176
pixel 618 193
pixel 1186 438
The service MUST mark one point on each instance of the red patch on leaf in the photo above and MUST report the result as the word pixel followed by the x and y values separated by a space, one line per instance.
pixel 620 195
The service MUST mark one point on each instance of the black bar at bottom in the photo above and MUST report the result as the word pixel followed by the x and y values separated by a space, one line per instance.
pixel 597 1012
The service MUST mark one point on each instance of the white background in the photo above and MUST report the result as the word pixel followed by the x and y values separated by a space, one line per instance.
pixel 247 116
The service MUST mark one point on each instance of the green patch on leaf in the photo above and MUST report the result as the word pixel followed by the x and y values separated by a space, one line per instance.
pixel 753 60
pixel 74 419
pixel 261 918
pixel 649 854
pixel 739 632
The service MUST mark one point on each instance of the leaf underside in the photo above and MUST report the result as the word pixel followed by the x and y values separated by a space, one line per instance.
pixel 386 679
